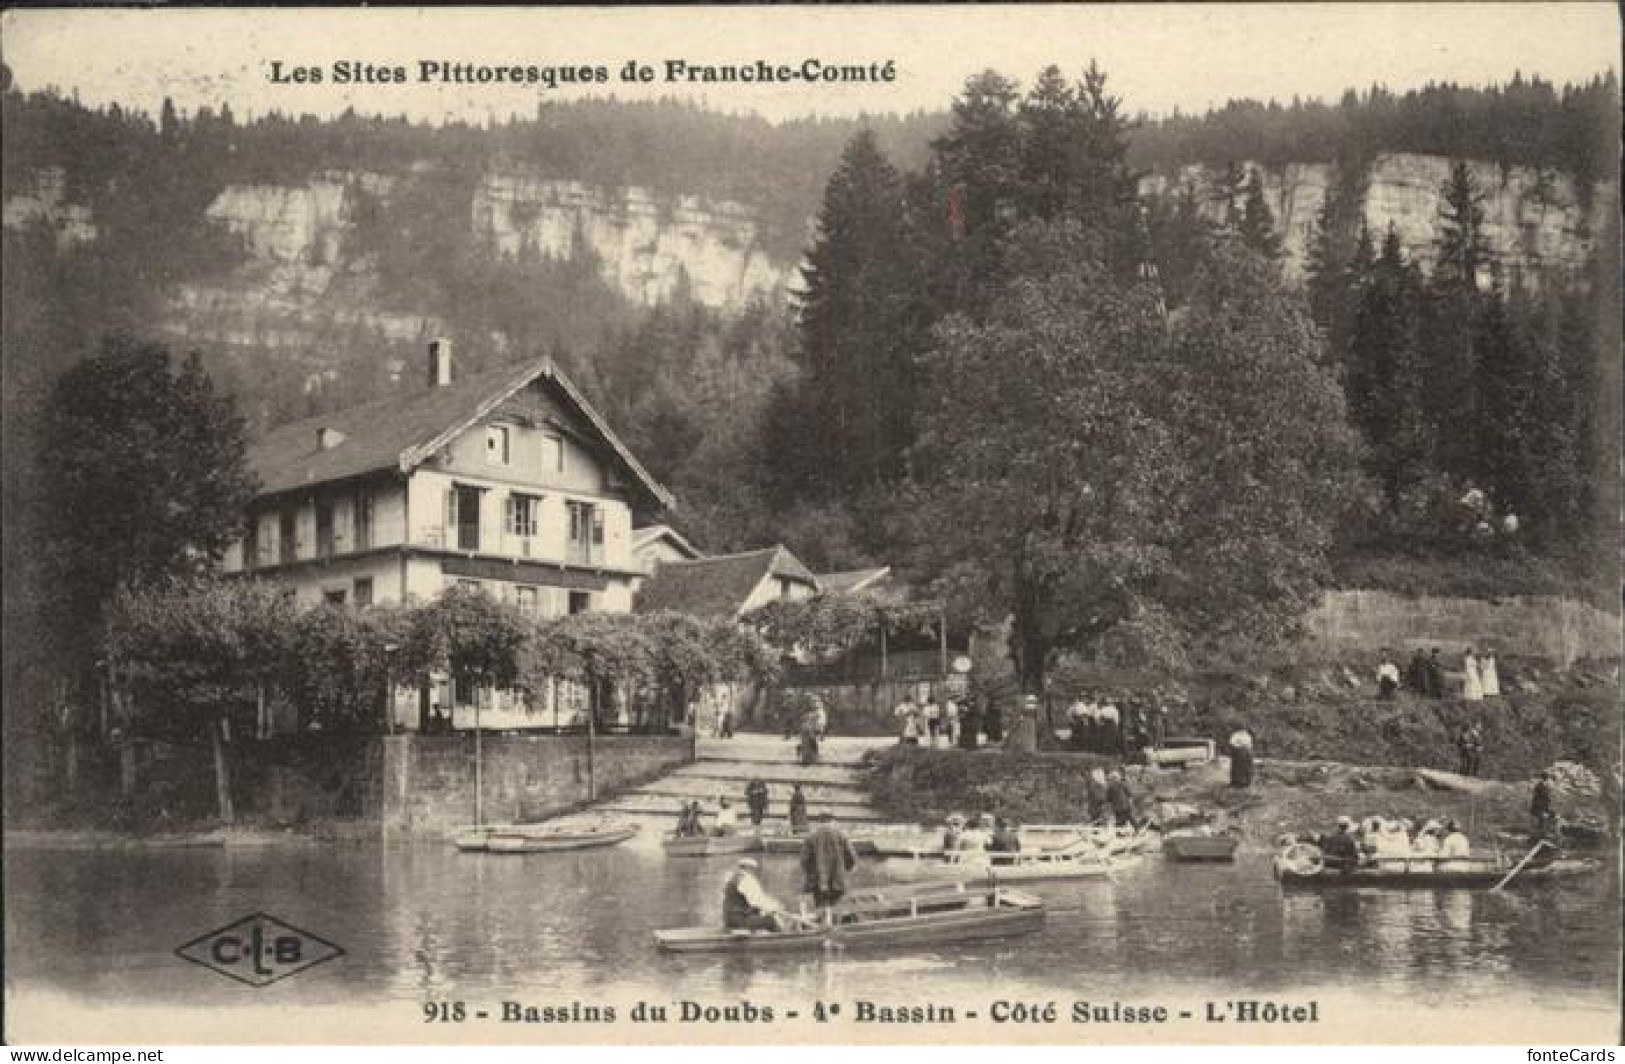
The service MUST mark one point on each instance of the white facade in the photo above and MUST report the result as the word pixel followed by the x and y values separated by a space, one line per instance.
pixel 520 503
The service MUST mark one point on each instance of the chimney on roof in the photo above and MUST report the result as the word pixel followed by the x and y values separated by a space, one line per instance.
pixel 328 438
pixel 439 363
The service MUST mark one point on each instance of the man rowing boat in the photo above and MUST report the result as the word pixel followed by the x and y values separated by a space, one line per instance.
pixel 746 904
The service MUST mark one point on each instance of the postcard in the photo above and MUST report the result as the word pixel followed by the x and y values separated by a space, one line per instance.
pixel 1066 524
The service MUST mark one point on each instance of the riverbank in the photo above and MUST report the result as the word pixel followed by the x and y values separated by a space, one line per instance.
pixel 201 836
pixel 924 786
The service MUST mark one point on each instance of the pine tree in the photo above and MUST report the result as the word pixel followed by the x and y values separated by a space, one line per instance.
pixel 1256 226
pixel 853 406
pixel 1051 143
pixel 1382 376
pixel 1325 270
pixel 1463 249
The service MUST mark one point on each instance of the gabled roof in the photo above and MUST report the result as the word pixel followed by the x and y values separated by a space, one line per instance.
pixel 718 587
pixel 402 431
pixel 853 580
pixel 643 537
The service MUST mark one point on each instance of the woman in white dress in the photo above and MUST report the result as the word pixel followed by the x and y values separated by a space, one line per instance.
pixel 1489 676
pixel 1472 684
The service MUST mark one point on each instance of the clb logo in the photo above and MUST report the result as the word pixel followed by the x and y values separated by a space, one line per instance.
pixel 259 950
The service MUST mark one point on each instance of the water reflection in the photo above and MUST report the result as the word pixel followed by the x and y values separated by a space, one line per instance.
pixel 429 923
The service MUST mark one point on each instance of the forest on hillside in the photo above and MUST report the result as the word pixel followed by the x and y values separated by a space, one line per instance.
pixel 1453 385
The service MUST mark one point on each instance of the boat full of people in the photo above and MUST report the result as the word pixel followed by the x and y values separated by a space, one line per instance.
pixel 1386 853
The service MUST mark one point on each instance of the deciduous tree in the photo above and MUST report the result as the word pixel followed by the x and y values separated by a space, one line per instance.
pixel 1088 465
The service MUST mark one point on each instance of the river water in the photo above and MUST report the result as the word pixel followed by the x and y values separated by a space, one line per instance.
pixel 426 924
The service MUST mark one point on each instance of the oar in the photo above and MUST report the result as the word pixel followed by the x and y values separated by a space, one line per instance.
pixel 1519 867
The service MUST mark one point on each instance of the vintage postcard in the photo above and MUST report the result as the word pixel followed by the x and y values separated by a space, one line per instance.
pixel 1079 524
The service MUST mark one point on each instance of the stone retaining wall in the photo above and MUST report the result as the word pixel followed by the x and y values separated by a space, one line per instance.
pixel 1545 626
pixel 428 781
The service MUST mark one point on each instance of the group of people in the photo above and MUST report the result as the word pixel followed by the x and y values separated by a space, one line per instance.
pixel 1426 675
pixel 1108 795
pixel 1379 842
pixel 985 832
pixel 826 857
pixel 690 819
pixel 1117 725
pixel 929 722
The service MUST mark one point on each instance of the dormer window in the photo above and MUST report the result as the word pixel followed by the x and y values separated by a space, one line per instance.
pixel 496 444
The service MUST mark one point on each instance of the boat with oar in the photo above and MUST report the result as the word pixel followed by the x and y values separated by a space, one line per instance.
pixel 558 837
pixel 711 845
pixel 911 841
pixel 1084 859
pixel 896 916
pixel 1303 866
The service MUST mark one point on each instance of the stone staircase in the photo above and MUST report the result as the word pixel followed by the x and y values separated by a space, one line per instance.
pixel 724 766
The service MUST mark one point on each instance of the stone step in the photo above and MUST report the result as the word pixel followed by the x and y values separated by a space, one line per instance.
pixel 777 791
pixel 666 810
pixel 755 756
pixel 769 773
pixel 655 799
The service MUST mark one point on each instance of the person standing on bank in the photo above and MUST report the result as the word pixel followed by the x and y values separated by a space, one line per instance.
pixel 1241 757
pixel 993 721
pixel 1416 673
pixel 756 800
pixel 1387 677
pixel 1542 816
pixel 1095 794
pixel 1119 799
pixel 1489 674
pixel 931 712
pixel 1472 685
pixel 1470 745
pixel 908 717
pixel 970 721
pixel 1435 675
pixel 826 858
pixel 798 810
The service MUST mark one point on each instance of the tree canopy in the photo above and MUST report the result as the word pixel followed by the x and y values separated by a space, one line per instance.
pixel 1170 474
pixel 142 467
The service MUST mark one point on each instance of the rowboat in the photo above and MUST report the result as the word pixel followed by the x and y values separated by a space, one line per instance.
pixel 1192 847
pixel 543 838
pixel 893 916
pixel 920 842
pixel 1456 873
pixel 560 841
pixel 710 845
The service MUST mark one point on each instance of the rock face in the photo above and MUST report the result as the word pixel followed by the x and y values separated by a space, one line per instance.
pixel 1533 220
pixel 44 203
pixel 647 245
pixel 309 283
pixel 303 285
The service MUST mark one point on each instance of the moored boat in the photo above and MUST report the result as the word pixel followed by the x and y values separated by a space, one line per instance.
pixel 559 841
pixel 888 917
pixel 543 838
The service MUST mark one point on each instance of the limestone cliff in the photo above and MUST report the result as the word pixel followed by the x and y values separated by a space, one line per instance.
pixel 647 244
pixel 310 283
pixel 1533 220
